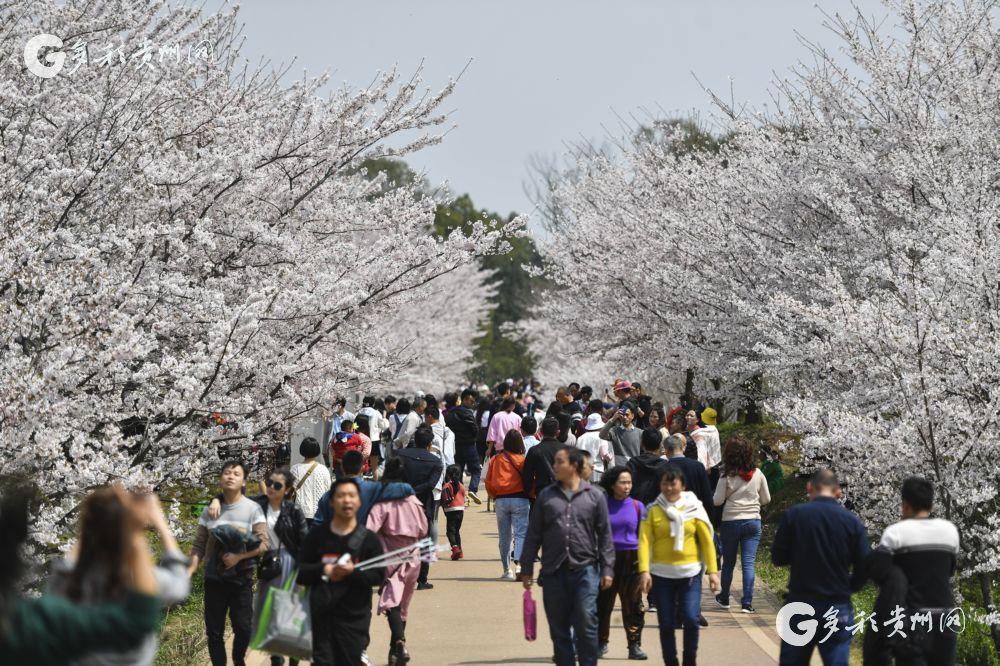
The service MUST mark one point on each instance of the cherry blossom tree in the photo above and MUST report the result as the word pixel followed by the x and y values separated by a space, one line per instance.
pixel 434 335
pixel 837 257
pixel 187 236
pixel 641 287
pixel 884 352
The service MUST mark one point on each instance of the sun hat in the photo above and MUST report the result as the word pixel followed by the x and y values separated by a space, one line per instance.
pixel 708 416
pixel 623 385
pixel 594 422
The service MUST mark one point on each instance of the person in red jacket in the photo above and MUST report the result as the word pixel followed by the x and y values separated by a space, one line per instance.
pixel 344 441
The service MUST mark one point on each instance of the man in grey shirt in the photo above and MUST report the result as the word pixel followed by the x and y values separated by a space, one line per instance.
pixel 625 438
pixel 569 520
pixel 229 575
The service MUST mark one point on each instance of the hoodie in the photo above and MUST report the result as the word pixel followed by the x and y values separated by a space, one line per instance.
pixel 646 470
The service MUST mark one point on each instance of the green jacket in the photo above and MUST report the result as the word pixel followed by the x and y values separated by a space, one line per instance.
pixel 51 630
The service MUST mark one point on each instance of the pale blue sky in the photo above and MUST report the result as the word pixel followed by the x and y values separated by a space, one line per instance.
pixel 543 72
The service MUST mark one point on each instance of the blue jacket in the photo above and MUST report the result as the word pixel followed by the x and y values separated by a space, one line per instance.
pixel 371 492
pixel 825 546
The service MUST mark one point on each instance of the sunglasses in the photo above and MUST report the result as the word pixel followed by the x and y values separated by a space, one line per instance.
pixel 277 485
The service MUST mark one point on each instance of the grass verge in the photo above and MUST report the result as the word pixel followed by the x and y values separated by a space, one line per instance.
pixel 975 647
pixel 182 633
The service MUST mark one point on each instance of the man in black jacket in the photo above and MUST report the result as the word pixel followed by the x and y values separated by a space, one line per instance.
pixel 462 421
pixel 422 469
pixel 825 547
pixel 647 467
pixel 695 476
pixel 537 473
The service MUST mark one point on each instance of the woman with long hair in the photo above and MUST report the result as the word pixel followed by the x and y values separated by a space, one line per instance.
pixel 625 515
pixel 398 523
pixel 506 487
pixel 95 571
pixel 658 419
pixel 52 630
pixel 741 492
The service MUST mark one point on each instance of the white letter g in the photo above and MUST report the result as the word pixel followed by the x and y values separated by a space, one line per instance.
pixel 53 61
pixel 783 623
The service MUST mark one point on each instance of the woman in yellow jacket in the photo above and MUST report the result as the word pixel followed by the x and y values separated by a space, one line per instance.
pixel 675 545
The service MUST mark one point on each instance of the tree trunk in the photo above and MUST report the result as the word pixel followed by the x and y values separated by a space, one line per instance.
pixel 719 405
pixel 986 587
pixel 752 412
pixel 687 400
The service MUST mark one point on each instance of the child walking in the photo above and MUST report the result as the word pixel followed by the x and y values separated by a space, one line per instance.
pixel 453 502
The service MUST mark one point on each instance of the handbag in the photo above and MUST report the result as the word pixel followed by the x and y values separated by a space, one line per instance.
pixel 285 626
pixel 269 565
pixel 530 617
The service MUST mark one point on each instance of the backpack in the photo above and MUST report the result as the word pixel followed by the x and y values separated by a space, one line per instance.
pixel 448 494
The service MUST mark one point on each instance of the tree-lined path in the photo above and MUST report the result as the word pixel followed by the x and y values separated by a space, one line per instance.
pixel 471 617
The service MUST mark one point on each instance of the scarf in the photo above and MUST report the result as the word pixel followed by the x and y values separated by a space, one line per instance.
pixel 746 476
pixel 688 507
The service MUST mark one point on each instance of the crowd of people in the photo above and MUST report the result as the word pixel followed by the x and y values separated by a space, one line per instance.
pixel 618 498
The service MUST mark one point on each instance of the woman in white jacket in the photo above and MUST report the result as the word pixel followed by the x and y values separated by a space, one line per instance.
pixel 741 492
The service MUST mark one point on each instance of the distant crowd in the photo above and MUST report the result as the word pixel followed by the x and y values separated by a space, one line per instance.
pixel 616 497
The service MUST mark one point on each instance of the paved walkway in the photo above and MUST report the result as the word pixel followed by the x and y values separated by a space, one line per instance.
pixel 473 618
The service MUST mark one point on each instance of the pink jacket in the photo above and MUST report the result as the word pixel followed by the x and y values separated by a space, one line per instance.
pixel 398 523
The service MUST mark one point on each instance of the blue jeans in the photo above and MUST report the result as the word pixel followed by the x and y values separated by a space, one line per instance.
pixel 668 592
pixel 835 650
pixel 570 601
pixel 512 521
pixel 744 534
pixel 467 459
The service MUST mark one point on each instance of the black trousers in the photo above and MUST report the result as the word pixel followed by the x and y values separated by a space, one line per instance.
pixel 927 648
pixel 338 640
pixel 237 600
pixel 397 626
pixel 454 527
pixel 626 587
pixel 432 532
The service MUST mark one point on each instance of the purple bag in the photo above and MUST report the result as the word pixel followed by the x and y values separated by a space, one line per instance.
pixel 530 617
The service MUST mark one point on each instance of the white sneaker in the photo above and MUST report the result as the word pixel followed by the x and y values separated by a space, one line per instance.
pixel 507 575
